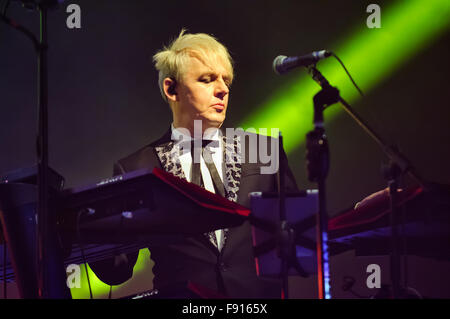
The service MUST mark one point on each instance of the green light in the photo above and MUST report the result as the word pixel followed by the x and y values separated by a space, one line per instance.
pixel 100 290
pixel 371 55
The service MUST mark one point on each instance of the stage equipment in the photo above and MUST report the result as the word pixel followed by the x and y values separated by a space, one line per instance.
pixel 123 213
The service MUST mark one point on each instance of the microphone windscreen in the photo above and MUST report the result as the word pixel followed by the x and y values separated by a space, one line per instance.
pixel 277 64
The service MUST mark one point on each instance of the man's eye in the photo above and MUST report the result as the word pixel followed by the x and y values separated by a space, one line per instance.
pixel 205 80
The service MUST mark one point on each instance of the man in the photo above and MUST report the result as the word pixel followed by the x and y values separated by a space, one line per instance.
pixel 195 75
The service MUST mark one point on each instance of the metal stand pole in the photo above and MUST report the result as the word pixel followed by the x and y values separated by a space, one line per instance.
pixel 43 219
pixel 285 239
pixel 318 163
pixel 48 261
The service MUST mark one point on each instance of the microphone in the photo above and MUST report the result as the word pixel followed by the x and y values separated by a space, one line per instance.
pixel 283 64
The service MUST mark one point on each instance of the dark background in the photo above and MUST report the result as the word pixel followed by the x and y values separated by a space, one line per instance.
pixel 104 100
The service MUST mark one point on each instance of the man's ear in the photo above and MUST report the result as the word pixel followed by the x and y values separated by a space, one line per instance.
pixel 169 85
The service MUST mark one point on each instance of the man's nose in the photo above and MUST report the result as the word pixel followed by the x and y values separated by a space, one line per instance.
pixel 221 89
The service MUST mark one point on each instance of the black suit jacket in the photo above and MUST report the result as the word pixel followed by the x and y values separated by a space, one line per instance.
pixel 230 271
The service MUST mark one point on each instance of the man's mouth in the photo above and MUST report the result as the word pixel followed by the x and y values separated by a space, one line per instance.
pixel 219 107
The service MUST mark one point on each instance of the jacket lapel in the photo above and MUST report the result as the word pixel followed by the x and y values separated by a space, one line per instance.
pixel 168 154
pixel 232 163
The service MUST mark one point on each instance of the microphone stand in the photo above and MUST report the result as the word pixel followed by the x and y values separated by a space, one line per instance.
pixel 317 166
pixel 42 152
pixel 399 165
pixel 46 223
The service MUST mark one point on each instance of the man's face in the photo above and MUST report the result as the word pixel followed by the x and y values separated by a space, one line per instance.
pixel 202 95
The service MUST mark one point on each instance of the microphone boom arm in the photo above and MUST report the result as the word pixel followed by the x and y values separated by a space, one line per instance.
pixel 391 151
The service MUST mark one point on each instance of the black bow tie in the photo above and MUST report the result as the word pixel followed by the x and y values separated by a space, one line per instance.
pixel 205 143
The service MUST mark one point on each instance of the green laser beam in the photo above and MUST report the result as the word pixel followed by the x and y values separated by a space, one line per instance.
pixel 100 290
pixel 370 55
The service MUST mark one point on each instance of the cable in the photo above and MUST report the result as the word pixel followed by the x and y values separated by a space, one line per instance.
pixel 4 269
pixel 82 249
pixel 18 27
pixel 110 292
pixel 413 292
pixel 380 124
pixel 404 241
pixel 4 8
pixel 116 253
pixel 348 73
pixel 348 284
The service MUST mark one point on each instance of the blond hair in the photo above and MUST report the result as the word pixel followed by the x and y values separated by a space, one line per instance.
pixel 172 61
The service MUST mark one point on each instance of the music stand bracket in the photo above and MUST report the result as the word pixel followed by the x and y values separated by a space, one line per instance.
pixel 287 239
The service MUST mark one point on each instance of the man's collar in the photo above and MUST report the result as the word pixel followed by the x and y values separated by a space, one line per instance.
pixel 183 134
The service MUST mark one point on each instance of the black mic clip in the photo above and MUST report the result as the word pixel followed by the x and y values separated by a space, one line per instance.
pixel 283 64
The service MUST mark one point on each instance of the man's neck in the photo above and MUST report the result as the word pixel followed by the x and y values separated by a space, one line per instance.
pixel 197 130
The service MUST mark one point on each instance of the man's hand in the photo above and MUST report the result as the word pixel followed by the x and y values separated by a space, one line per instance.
pixel 375 198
